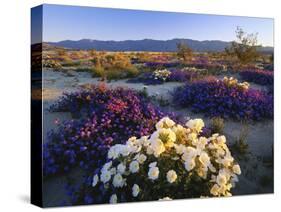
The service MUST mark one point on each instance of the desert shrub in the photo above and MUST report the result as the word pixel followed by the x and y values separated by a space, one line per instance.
pixel 113 66
pixel 184 52
pixel 141 57
pixel 261 77
pixel 217 125
pixel 225 98
pixel 129 72
pixel 106 117
pixel 162 75
pixel 48 62
pixel 244 48
pixel 71 63
pixel 98 71
pixel 173 162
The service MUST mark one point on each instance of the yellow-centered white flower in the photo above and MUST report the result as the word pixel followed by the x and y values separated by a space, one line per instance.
pixel 171 176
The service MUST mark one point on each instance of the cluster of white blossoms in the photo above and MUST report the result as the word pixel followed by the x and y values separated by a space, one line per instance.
pixel 231 82
pixel 150 159
pixel 161 74
pixel 193 69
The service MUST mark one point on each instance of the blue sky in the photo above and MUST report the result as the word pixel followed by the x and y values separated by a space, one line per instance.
pixel 75 23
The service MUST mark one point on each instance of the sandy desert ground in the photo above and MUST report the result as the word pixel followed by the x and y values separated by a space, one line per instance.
pixel 257 171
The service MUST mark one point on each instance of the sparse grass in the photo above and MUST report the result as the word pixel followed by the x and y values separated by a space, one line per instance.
pixel 241 145
pixel 217 125
pixel 71 63
pixel 163 102
pixel 144 92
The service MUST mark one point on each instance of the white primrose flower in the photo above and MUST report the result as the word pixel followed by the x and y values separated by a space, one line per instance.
pixel 154 136
pixel 193 137
pixel 118 181
pixel 201 144
pixel 121 168
pixel 180 130
pixel 171 176
pixel 113 152
pixel 221 179
pixel 113 171
pixel 189 153
pixel 236 169
pixel 153 164
pixel 226 161
pixel 117 150
pixel 204 159
pixel 167 136
pixel 165 122
pixel 144 141
pixel 132 140
pixel 153 173
pixel 107 166
pixel 215 190
pixel 189 164
pixel 113 199
pixel 158 147
pixel 123 150
pixel 195 124
pixel 141 158
pixel 180 149
pixel 95 180
pixel 221 140
pixel 105 176
pixel 134 166
pixel 149 150
pixel 135 190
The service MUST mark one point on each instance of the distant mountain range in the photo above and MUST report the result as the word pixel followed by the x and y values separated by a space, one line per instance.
pixel 148 45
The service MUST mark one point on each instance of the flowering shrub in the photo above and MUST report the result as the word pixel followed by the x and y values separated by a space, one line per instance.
pixel 261 77
pixel 161 75
pixel 225 98
pixel 48 62
pixel 165 75
pixel 183 75
pixel 111 117
pixel 157 65
pixel 233 83
pixel 147 79
pixel 173 162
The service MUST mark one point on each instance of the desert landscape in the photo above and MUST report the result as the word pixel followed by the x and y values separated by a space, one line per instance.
pixel 116 114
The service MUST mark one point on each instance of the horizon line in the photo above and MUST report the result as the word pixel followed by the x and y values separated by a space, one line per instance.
pixel 144 39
